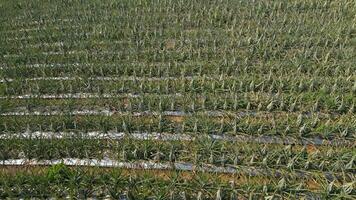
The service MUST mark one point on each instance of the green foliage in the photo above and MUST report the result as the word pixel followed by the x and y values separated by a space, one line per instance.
pixel 58 173
pixel 267 85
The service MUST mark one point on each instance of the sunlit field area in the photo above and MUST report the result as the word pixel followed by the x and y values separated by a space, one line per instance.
pixel 178 99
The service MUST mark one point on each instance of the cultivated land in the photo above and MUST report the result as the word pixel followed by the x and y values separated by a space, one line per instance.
pixel 176 99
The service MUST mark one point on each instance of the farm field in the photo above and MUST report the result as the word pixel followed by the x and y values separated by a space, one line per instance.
pixel 178 99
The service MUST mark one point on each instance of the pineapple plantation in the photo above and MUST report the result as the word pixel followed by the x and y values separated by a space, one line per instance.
pixel 178 99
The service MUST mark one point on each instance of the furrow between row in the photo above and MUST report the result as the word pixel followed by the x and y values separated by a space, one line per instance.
pixel 149 165
pixel 81 96
pixel 97 135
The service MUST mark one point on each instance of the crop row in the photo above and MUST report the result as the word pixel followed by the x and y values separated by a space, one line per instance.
pixel 229 22
pixel 198 101
pixel 197 67
pixel 173 47
pixel 251 56
pixel 314 82
pixel 137 108
pixel 84 183
pixel 187 102
pixel 203 151
pixel 291 125
pixel 170 9
pixel 113 135
pixel 152 30
pixel 320 104
pixel 51 41
pixel 179 166
pixel 183 84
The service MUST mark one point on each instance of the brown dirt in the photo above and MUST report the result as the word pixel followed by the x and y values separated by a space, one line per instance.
pixel 176 119
pixel 238 179
pixel 312 185
pixel 170 44
pixel 312 149
pixel 125 102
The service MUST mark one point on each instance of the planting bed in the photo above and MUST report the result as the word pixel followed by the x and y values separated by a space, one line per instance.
pixel 176 99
